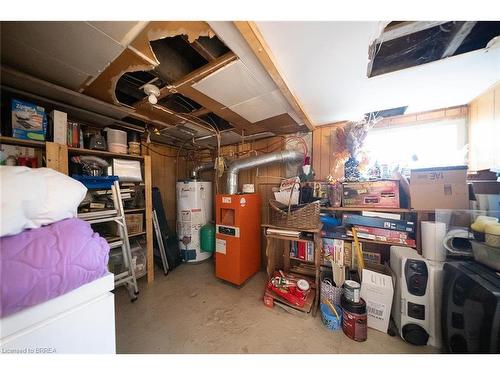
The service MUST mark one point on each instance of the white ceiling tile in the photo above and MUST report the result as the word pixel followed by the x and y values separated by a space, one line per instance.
pixel 227 32
pixel 28 60
pixel 230 85
pixel 260 108
pixel 76 44
pixel 121 31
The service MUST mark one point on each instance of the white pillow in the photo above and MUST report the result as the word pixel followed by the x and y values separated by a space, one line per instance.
pixel 34 197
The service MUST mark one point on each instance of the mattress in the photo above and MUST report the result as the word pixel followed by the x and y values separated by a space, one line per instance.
pixel 41 264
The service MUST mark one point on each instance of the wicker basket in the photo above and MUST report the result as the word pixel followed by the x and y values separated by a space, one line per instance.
pixel 303 217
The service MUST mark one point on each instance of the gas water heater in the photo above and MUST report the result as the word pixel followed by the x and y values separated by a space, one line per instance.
pixel 238 236
pixel 194 209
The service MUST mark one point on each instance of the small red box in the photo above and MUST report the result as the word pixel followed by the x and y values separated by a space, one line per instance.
pixel 268 300
pixel 371 194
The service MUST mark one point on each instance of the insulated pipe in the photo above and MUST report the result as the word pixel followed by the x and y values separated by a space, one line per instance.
pixel 257 161
pixel 201 167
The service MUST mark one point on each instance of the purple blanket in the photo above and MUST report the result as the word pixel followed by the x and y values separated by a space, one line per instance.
pixel 40 264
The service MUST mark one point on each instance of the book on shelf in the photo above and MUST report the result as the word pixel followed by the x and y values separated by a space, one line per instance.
pixel 302 250
pixel 386 215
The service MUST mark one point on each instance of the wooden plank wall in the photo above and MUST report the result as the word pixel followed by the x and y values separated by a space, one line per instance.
pixel 322 151
pixel 264 178
pixel 484 130
pixel 164 174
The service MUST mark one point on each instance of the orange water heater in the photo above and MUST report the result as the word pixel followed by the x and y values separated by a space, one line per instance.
pixel 238 231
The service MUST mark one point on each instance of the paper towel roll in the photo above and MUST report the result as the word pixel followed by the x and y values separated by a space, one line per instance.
pixel 432 240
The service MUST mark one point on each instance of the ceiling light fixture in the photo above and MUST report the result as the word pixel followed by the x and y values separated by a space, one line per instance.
pixel 153 93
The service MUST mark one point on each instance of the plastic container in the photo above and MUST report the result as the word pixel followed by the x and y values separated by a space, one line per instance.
pixel 134 148
pixel 329 319
pixel 117 148
pixel 354 319
pixel 487 255
pixel 96 182
pixel 207 238
pixel 116 136
pixel 134 223
pixel 492 234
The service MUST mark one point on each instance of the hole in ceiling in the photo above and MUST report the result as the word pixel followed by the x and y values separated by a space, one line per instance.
pixel 216 121
pixel 129 86
pixel 387 112
pixel 179 103
pixel 420 45
pixel 177 58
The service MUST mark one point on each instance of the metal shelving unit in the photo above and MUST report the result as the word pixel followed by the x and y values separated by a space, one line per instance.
pixel 117 214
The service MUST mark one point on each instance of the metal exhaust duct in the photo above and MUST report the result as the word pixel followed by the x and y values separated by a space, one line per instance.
pixel 257 161
pixel 201 167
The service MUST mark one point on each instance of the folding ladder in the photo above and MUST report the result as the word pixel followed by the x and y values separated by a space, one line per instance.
pixel 117 214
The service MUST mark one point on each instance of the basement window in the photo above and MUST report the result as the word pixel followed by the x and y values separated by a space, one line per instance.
pixel 433 144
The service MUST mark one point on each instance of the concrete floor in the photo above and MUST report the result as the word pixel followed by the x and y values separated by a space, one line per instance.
pixel 190 311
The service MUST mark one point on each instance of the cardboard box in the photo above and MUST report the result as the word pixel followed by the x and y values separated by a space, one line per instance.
pixel 378 194
pixel 60 126
pixel 444 187
pixel 28 121
pixel 377 289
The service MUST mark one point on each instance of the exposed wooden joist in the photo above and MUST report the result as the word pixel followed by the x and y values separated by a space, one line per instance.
pixel 458 38
pixel 194 76
pixel 406 28
pixel 200 112
pixel 219 109
pixel 184 87
pixel 255 40
pixel 198 47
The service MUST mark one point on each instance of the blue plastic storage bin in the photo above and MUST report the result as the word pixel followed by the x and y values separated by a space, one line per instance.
pixel 96 182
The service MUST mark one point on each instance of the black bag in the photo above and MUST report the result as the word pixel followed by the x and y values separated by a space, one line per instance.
pixel 169 236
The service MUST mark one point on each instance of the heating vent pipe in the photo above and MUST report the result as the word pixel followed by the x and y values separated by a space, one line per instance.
pixel 200 168
pixel 257 161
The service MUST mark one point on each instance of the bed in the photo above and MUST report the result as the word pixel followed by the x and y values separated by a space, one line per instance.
pixel 55 291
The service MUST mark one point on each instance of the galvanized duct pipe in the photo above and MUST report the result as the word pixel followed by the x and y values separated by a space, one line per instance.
pixel 257 161
pixel 201 167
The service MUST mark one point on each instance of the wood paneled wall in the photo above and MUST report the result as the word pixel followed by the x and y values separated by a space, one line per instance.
pixel 322 151
pixel 484 130
pixel 164 173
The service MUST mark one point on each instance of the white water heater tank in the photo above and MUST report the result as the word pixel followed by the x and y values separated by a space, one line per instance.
pixel 194 209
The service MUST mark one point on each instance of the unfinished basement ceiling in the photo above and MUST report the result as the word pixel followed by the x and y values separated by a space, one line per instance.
pixel 112 61
pixel 325 65
pixel 65 53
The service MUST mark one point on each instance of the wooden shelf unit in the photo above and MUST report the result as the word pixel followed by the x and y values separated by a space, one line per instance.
pixel 388 210
pixel 104 154
pixel 279 257
pixel 57 157
pixel 147 182
pixel 21 142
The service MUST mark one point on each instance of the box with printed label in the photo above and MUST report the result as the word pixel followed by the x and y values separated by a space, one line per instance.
pixel 443 187
pixel 377 289
pixel 380 194
pixel 28 121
